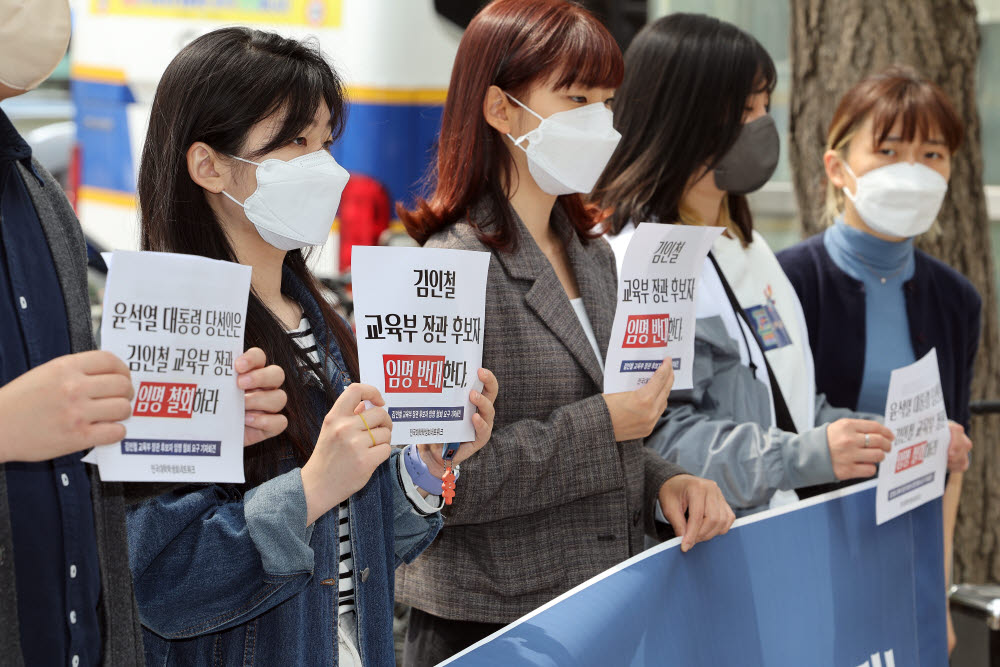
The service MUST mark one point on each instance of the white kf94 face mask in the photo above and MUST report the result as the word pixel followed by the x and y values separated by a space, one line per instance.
pixel 34 35
pixel 899 199
pixel 296 201
pixel 568 151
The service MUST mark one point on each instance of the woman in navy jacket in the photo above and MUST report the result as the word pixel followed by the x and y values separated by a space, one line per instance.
pixel 872 301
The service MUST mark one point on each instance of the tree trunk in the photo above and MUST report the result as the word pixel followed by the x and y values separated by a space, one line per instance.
pixel 834 43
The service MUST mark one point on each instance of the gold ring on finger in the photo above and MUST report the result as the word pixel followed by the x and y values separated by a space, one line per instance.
pixel 368 428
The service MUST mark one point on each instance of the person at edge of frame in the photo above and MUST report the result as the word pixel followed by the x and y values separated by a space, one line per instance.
pixel 888 160
pixel 753 421
pixel 756 420
pixel 66 595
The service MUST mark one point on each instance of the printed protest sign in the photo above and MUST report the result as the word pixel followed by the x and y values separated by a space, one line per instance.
pixel 420 315
pixel 913 472
pixel 178 322
pixel 655 317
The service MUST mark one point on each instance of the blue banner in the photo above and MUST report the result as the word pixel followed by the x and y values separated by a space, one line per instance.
pixel 816 584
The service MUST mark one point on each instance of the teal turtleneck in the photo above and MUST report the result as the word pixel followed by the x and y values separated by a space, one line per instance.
pixel 883 267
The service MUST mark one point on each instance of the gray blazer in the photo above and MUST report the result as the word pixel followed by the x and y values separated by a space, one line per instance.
pixel 552 499
pixel 122 634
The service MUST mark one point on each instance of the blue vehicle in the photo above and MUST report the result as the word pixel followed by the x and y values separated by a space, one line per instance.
pixel 394 56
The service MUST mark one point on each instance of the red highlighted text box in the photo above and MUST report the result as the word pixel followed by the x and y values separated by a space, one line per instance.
pixel 911 456
pixel 646 331
pixel 413 373
pixel 165 399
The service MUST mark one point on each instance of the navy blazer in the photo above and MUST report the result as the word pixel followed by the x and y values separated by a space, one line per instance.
pixel 943 310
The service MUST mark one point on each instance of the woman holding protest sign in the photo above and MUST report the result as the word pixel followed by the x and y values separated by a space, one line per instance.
pixel 296 567
pixel 566 490
pixel 872 301
pixel 753 421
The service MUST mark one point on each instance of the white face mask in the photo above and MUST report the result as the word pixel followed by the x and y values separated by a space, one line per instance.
pixel 899 199
pixel 296 201
pixel 34 35
pixel 568 151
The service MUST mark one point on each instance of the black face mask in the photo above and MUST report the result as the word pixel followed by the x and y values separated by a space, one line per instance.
pixel 751 161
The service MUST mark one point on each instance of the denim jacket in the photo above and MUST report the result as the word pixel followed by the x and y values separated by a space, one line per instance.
pixel 230 578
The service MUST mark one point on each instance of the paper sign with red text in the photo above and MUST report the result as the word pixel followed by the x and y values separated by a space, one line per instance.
pixel 913 472
pixel 177 321
pixel 420 317
pixel 655 317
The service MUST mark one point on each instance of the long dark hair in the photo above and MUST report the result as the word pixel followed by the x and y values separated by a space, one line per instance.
pixel 679 109
pixel 512 44
pixel 216 89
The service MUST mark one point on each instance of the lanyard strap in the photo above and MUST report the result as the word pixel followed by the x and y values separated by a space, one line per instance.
pixel 782 415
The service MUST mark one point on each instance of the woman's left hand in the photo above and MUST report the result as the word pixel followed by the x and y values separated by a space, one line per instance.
pixel 958 448
pixel 707 512
pixel 263 395
pixel 482 421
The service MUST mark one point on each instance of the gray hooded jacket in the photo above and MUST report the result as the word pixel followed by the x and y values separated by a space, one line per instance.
pixel 722 428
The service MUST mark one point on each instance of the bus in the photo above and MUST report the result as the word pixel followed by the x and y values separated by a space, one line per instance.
pixel 395 57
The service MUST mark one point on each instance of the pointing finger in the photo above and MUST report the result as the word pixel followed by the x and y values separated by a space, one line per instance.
pixel 696 516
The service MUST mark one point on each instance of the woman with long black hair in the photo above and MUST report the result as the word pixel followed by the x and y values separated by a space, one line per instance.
pixel 296 566
pixel 753 421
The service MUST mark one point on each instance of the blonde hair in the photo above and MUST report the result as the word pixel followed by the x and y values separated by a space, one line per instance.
pixel 834 205
pixel 897 94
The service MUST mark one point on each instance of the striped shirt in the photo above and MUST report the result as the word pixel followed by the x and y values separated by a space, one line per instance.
pixel 346 599
pixel 304 337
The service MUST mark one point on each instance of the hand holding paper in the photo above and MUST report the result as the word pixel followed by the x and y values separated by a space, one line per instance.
pixel 913 472
pixel 482 421
pixel 353 442
pixel 857 446
pixel 634 413
pixel 958 449
pixel 263 397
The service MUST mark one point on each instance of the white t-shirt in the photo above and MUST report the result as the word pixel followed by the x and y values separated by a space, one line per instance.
pixel 619 244
pixel 581 314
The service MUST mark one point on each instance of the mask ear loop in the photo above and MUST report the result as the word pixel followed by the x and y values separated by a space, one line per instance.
pixel 234 200
pixel 517 142
pixel 847 193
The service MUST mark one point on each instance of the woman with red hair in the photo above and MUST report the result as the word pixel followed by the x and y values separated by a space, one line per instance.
pixel 566 489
